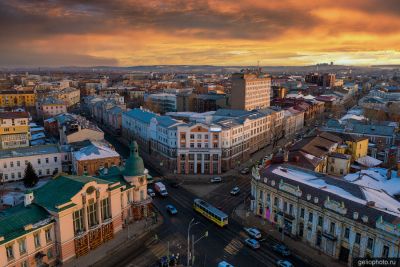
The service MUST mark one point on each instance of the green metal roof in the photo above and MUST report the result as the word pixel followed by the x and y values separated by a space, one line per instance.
pixel 114 174
pixel 13 220
pixel 134 165
pixel 61 189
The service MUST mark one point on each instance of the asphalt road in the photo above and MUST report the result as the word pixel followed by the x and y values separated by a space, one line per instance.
pixel 221 244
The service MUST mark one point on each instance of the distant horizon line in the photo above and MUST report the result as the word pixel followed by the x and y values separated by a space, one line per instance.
pixel 195 65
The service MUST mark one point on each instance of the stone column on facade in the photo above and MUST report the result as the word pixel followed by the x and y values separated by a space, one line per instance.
pixel 84 213
pixel 98 207
pixel 195 170
pixel 202 163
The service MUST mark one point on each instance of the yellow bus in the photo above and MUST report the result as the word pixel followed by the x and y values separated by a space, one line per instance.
pixel 210 212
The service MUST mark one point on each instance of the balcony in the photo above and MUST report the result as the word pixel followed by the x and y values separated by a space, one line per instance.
pixel 329 236
pixel 146 201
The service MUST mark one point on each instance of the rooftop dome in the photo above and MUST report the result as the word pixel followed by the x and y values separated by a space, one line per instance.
pixel 134 165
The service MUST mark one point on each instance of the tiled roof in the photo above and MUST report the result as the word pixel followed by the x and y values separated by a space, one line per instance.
pixel 13 220
pixel 61 189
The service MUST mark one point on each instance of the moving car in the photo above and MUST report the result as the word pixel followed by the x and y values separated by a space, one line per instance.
pixel 245 171
pixel 216 179
pixel 281 249
pixel 284 263
pixel 151 193
pixel 235 191
pixel 253 232
pixel 161 189
pixel 224 264
pixel 252 243
pixel 171 209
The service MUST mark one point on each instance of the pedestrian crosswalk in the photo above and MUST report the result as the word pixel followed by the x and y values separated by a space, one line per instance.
pixel 233 247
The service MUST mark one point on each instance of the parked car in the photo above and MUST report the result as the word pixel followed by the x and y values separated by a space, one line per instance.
pixel 216 179
pixel 171 209
pixel 245 171
pixel 281 249
pixel 252 243
pixel 151 192
pixel 253 232
pixel 284 263
pixel 235 191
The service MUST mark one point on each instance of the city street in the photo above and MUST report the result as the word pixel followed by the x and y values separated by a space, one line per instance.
pixel 221 244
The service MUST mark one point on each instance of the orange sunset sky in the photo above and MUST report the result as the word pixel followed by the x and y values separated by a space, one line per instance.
pixel 227 32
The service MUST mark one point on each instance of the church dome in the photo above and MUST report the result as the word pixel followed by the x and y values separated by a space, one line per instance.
pixel 134 165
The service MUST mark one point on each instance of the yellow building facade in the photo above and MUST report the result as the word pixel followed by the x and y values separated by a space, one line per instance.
pixel 14 129
pixel 17 98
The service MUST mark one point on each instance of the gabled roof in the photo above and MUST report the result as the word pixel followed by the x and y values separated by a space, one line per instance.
pixel 61 189
pixel 95 151
pixel 13 220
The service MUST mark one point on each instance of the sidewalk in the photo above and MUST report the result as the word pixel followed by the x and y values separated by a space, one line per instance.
pixel 306 253
pixel 137 232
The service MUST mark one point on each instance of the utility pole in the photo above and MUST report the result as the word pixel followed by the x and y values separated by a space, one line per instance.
pixel 188 241
pixel 194 242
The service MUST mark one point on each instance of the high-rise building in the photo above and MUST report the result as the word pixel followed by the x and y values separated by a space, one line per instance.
pixel 250 91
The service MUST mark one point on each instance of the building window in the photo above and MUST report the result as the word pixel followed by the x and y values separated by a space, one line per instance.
pixel 215 156
pixel 191 156
pixel 92 213
pixel 49 253
pixel 10 252
pixel 198 145
pixel 105 208
pixel 192 136
pixel 276 202
pixel 310 217
pixel 24 264
pixel 215 145
pixel 19 175
pixel 320 221
pixel 22 246
pixel 48 171
pixel 78 221
pixel 48 235
pixel 192 145
pixel 12 164
pixel 358 238
pixel 18 163
pixel 385 252
pixel 206 136
pixel 38 161
pixel 55 159
pixel 284 206
pixel 302 213
pixel 199 136
pixel 40 172
pixel 47 160
pixel 319 239
pixel 36 238
pixel 347 233
pixel 332 228
pixel 370 243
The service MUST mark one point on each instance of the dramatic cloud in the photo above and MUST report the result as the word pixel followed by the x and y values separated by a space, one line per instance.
pixel 220 32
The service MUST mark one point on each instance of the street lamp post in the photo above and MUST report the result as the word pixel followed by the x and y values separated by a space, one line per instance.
pixel 188 240
pixel 194 243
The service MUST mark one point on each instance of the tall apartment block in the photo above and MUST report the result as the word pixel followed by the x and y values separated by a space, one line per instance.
pixel 250 91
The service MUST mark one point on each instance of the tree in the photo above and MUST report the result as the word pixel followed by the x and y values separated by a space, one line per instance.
pixel 30 177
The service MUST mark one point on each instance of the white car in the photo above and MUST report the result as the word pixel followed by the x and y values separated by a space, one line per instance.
pixel 235 191
pixel 216 179
pixel 253 232
pixel 284 263
pixel 150 192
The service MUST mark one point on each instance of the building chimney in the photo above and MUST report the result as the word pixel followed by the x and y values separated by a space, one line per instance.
pixel 28 198
pixel 398 169
pixel 285 155
pixel 389 174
